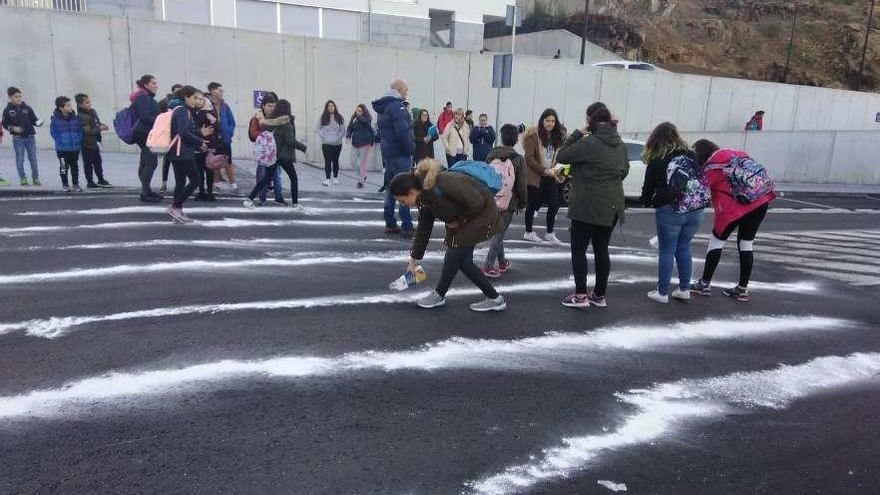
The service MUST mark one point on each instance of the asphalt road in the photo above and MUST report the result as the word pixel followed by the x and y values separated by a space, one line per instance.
pixel 261 352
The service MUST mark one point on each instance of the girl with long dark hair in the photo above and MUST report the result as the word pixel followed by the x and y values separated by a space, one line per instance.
pixel 425 138
pixel 360 132
pixel 187 141
pixel 541 145
pixel 331 130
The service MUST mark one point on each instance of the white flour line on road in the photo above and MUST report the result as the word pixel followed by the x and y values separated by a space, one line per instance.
pixel 855 279
pixel 533 353
pixel 57 326
pixel 300 259
pixel 819 255
pixel 230 223
pixel 668 407
pixel 798 201
pixel 203 210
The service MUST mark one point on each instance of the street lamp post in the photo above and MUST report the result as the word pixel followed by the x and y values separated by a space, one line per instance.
pixel 586 24
pixel 790 44
pixel 865 48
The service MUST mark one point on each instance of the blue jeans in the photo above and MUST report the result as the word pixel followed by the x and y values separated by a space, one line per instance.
pixel 28 145
pixel 496 248
pixel 675 232
pixel 277 185
pixel 392 168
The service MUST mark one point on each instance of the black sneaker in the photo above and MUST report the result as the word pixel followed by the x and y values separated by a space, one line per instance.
pixel 151 199
pixel 738 293
pixel 597 301
pixel 382 189
pixel 210 197
pixel 104 183
pixel 91 185
pixel 701 288
pixel 360 185
pixel 201 197
pixel 281 202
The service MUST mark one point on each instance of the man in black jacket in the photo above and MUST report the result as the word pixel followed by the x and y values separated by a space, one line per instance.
pixel 20 120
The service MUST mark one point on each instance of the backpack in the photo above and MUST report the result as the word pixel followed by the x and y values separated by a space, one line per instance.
pixel 265 149
pixel 159 140
pixel 686 185
pixel 749 180
pixel 505 169
pixel 482 172
pixel 254 129
pixel 124 123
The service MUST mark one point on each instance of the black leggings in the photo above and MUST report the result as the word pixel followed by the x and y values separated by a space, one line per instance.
pixel 146 168
pixel 204 174
pixel 93 165
pixel 331 159
pixel 68 160
pixel 547 194
pixel 186 180
pixel 166 167
pixel 746 230
pixel 581 235
pixel 462 258
pixel 288 167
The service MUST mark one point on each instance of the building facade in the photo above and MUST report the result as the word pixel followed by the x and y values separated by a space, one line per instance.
pixel 405 23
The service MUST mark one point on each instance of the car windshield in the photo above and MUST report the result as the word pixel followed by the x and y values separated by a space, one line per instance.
pixel 634 151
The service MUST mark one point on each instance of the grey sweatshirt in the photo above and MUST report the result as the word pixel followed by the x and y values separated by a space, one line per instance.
pixel 332 133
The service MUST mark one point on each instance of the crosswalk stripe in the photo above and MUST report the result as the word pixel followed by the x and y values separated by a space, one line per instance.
pixel 811 246
pixel 850 278
pixel 454 353
pixel 668 405
pixel 819 256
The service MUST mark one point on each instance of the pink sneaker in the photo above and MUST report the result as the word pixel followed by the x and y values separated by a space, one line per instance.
pixel 491 272
pixel 504 266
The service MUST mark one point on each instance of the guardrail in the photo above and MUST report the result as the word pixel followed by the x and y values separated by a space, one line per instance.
pixel 63 5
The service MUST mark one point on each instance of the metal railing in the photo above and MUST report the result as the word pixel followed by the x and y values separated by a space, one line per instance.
pixel 63 5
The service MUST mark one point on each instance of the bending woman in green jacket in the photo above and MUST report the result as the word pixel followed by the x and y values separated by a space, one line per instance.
pixel 599 164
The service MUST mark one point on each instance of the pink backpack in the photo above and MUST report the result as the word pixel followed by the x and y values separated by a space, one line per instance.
pixel 159 140
pixel 505 169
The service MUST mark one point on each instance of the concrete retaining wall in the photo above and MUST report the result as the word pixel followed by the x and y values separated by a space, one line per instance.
pixel 57 53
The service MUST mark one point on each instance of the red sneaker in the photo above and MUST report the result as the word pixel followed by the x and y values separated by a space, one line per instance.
pixel 491 272
pixel 504 266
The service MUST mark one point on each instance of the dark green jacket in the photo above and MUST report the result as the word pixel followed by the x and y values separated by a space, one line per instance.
pixel 454 197
pixel 91 126
pixel 599 164
pixel 286 143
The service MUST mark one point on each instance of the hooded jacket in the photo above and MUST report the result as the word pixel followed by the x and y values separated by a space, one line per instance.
pixel 360 131
pixel 91 128
pixel 727 208
pixel 66 131
pixel 395 127
pixel 520 198
pixel 453 197
pixel 20 115
pixel 483 138
pixel 145 109
pixel 599 163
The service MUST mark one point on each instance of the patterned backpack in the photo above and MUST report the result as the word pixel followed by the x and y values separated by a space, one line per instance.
pixel 749 180
pixel 687 185
pixel 265 149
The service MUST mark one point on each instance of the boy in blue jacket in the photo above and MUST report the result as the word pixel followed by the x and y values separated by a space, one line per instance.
pixel 66 130
pixel 483 138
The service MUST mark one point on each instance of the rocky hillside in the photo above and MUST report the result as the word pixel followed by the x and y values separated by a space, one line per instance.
pixel 735 38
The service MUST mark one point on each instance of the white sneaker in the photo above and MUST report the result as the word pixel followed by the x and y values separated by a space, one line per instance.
pixel 233 187
pixel 531 237
pixel 297 208
pixel 335 182
pixel 681 295
pixel 552 239
pixel 497 304
pixel 325 182
pixel 248 203
pixel 657 296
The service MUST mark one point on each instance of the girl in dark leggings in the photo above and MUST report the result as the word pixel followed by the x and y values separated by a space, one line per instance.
pixel 287 144
pixel 730 215
pixel 185 143
pixel 468 208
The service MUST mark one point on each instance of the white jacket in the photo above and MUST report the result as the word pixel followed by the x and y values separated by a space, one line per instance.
pixel 452 142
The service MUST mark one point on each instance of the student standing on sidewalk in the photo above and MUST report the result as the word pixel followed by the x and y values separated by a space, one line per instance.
pixel 425 134
pixel 731 214
pixel 286 145
pixel 471 216
pixel 518 201
pixel 541 144
pixel 447 115
pixel 331 131
pixel 92 128
pixel 182 152
pixel 21 122
pixel 362 136
pixel 483 138
pixel 599 163
pixel 678 219
pixel 145 110
pixel 456 140
pixel 398 144
pixel 3 182
pixel 67 132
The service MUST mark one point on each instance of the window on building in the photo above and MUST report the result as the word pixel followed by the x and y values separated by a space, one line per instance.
pixel 195 11
pixel 259 16
pixel 300 21
pixel 342 25
pixel 442 28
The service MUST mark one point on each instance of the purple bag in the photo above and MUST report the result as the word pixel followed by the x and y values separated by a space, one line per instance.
pixel 124 123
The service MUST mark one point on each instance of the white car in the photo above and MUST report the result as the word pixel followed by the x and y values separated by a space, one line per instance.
pixel 626 65
pixel 632 185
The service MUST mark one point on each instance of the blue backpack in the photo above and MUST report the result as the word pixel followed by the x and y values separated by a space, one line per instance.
pixel 124 123
pixel 482 172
